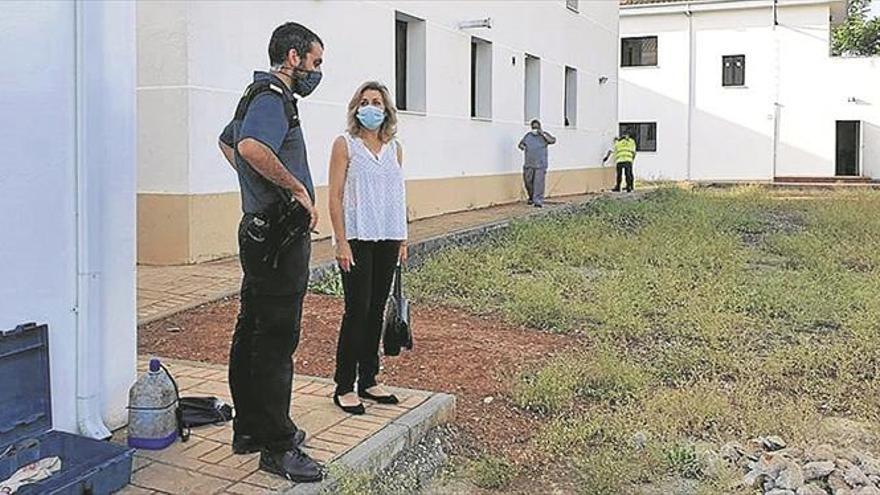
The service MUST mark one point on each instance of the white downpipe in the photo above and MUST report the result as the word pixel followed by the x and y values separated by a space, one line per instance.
pixel 774 143
pixel 692 83
pixel 88 286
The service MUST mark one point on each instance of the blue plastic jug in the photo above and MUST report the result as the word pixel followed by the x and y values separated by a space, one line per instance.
pixel 152 410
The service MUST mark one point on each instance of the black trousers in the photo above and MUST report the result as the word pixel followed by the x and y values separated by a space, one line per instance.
pixel 625 167
pixel 266 335
pixel 367 287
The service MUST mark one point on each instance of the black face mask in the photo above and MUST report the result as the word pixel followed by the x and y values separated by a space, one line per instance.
pixel 304 81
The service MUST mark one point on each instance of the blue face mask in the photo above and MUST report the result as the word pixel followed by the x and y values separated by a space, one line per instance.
pixel 371 117
pixel 304 85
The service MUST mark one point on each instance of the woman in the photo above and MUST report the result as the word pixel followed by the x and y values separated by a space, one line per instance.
pixel 368 211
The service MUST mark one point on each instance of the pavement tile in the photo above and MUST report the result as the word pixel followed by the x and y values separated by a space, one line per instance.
pixel 203 448
pixel 360 425
pixel 412 401
pixel 134 490
pixel 217 456
pixel 251 465
pixel 238 461
pixel 349 431
pixel 139 462
pixel 318 420
pixel 247 489
pixel 370 418
pixel 333 436
pixel 267 480
pixel 311 388
pixel 172 479
pixel 226 473
pixel 318 443
pixel 323 456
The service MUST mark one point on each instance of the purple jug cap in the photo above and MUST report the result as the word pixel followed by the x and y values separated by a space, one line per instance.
pixel 154 365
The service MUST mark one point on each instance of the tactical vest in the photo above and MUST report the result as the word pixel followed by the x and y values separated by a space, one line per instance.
pixel 257 88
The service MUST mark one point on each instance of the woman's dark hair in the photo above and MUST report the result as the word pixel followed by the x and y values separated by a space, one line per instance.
pixel 535 121
pixel 291 36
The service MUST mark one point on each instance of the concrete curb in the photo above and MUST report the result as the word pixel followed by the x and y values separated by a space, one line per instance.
pixel 380 450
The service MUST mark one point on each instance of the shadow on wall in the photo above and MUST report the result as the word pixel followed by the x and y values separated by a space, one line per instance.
pixel 721 149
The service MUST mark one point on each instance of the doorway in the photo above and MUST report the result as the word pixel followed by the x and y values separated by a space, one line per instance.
pixel 848 148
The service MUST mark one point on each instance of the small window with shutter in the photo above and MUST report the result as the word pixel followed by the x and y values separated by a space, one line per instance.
pixel 733 70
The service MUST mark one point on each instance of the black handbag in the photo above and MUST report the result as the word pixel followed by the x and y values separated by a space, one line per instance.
pixel 396 332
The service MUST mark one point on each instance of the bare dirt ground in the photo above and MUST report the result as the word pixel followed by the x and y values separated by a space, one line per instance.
pixel 475 358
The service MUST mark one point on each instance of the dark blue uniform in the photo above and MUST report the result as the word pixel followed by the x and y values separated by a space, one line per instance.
pixel 268 327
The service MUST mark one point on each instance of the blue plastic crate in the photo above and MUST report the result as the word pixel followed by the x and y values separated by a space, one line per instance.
pixel 88 467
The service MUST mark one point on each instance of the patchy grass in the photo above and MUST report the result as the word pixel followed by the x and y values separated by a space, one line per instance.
pixel 707 316
pixel 490 472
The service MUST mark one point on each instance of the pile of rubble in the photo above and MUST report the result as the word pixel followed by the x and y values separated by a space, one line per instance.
pixel 777 469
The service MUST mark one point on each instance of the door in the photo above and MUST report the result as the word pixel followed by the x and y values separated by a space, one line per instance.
pixel 848 147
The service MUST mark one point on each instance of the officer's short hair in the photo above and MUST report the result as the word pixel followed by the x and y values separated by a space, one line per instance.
pixel 534 121
pixel 291 36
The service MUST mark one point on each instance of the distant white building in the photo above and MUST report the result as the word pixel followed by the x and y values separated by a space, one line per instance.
pixel 745 90
pixel 67 199
pixel 468 92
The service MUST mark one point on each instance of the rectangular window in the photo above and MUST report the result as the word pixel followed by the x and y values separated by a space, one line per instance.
pixel 400 63
pixel 733 70
pixel 638 52
pixel 409 62
pixel 645 134
pixel 481 78
pixel 532 108
pixel 570 97
pixel 572 5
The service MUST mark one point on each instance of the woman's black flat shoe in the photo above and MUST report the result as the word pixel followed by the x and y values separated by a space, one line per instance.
pixel 381 399
pixel 358 409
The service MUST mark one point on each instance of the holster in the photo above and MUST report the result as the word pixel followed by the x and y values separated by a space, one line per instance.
pixel 287 222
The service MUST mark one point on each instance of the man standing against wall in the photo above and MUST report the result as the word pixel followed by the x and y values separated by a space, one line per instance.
pixel 264 144
pixel 534 145
pixel 624 151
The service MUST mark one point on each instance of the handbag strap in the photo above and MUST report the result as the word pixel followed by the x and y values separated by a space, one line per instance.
pixel 398 284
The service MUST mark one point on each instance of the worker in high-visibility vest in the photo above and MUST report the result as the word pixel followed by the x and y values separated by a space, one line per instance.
pixel 624 152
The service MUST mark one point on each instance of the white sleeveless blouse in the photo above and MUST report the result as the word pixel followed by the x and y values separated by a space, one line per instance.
pixel 374 197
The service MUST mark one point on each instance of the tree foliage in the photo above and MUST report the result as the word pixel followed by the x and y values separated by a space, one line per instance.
pixel 859 36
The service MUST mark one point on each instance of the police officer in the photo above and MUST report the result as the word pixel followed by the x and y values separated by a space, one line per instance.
pixel 624 151
pixel 264 144
pixel 534 145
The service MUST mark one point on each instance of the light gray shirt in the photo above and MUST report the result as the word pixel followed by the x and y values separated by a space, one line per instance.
pixel 535 150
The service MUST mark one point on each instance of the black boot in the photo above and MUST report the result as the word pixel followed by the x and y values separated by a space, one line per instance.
pixel 247 444
pixel 294 465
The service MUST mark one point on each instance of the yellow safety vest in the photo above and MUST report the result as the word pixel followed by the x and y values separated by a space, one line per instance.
pixel 624 150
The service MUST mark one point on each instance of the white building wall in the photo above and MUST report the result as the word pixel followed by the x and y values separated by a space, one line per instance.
pixel 45 134
pixel 221 43
pixel 733 127
pixel 659 94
